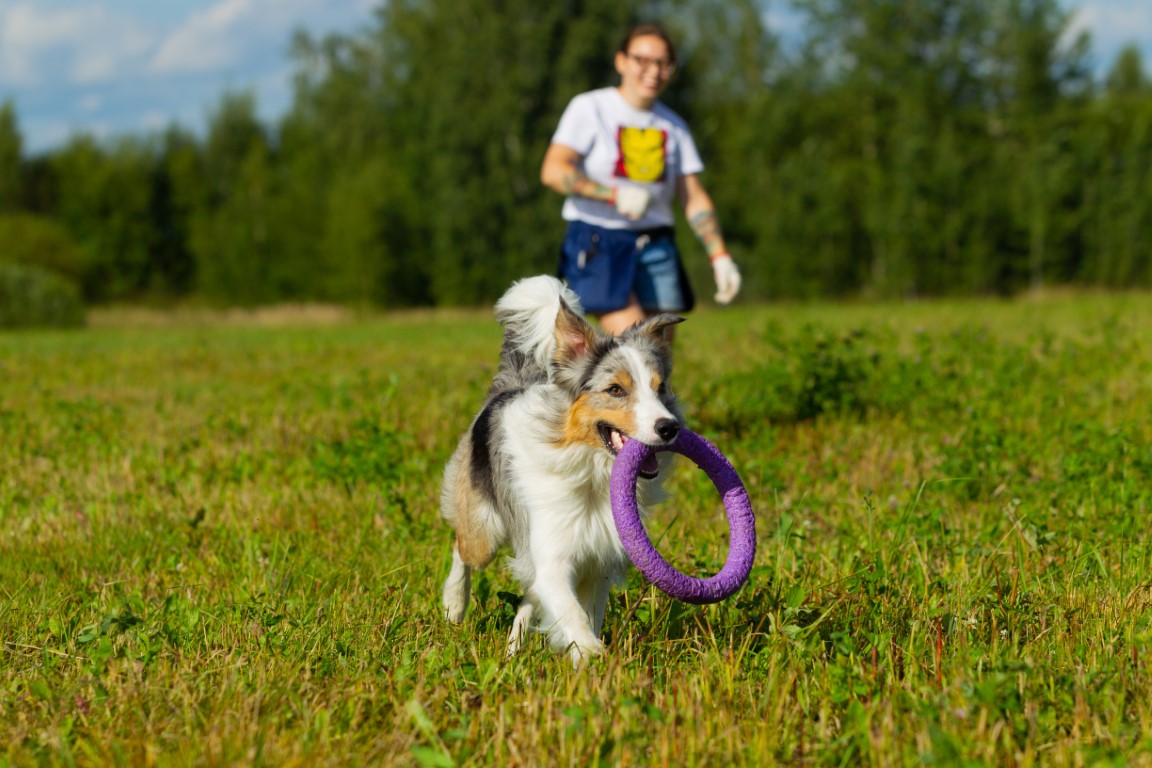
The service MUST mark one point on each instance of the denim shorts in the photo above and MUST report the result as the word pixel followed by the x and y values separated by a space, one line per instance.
pixel 605 267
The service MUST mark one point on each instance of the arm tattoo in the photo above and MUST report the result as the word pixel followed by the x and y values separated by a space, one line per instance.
pixel 576 183
pixel 707 228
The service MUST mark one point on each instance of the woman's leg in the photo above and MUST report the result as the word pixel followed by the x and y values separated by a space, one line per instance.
pixel 618 320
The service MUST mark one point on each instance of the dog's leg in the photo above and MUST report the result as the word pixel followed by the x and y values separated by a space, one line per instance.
pixel 522 624
pixel 592 591
pixel 457 588
pixel 599 603
pixel 585 592
pixel 571 627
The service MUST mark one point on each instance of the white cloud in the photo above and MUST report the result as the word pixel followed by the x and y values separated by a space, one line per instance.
pixel 207 41
pixel 155 120
pixel 46 133
pixel 87 44
pixel 95 64
pixel 116 66
pixel 1119 20
pixel 1114 24
pixel 222 36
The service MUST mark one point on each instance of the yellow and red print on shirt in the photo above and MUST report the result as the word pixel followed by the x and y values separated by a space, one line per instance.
pixel 643 152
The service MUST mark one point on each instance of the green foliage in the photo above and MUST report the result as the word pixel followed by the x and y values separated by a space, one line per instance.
pixel 234 240
pixel 451 207
pixel 11 193
pixel 41 242
pixel 811 373
pixel 893 150
pixel 104 200
pixel 833 372
pixel 179 190
pixel 31 296
pixel 1127 77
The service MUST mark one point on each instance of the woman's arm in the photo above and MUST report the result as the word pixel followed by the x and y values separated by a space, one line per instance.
pixel 701 215
pixel 561 172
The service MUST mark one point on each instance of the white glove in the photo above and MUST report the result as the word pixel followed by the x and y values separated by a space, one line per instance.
pixel 632 201
pixel 727 278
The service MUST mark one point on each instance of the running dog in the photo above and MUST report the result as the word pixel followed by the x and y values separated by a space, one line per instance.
pixel 532 473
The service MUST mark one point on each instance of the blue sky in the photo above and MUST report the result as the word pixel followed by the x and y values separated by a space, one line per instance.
pixel 134 66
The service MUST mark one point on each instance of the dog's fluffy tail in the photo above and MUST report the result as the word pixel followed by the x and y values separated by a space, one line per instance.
pixel 528 312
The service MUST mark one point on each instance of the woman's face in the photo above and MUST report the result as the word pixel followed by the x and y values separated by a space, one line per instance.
pixel 644 70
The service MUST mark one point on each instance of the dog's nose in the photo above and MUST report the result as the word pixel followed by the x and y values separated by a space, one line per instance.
pixel 667 429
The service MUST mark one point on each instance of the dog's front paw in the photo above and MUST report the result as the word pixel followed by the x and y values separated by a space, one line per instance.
pixel 454 609
pixel 455 601
pixel 581 652
pixel 521 625
pixel 456 590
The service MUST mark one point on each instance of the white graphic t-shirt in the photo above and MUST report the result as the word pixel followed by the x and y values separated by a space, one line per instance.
pixel 625 146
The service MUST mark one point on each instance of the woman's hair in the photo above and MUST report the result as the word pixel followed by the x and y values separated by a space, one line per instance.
pixel 648 29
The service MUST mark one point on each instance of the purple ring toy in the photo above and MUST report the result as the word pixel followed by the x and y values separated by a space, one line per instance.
pixel 741 521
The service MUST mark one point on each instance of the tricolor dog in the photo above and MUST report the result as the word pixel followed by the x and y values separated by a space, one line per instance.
pixel 532 472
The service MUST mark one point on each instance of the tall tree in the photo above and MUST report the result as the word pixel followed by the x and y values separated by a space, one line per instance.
pixel 233 239
pixel 1127 77
pixel 1116 165
pixel 103 196
pixel 479 88
pixel 1034 77
pixel 897 76
pixel 347 173
pixel 11 148
pixel 179 190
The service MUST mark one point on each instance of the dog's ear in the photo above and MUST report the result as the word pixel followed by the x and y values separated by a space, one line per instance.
pixel 657 326
pixel 574 336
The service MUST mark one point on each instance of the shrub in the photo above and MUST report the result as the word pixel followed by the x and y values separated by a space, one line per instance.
pixel 803 375
pixel 37 241
pixel 834 373
pixel 31 296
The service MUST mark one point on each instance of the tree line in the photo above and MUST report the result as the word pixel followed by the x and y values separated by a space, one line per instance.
pixel 897 149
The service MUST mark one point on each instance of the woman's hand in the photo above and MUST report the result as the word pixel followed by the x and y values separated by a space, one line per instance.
pixel 727 278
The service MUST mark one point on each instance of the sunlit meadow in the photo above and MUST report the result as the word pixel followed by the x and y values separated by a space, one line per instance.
pixel 220 545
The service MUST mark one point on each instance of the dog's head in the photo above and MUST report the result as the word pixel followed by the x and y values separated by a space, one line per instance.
pixel 617 386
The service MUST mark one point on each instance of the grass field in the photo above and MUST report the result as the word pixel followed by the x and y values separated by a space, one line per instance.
pixel 219 545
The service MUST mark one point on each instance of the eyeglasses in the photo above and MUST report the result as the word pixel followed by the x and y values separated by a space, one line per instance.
pixel 665 66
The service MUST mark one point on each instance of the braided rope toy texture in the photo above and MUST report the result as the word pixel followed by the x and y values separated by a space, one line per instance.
pixel 741 521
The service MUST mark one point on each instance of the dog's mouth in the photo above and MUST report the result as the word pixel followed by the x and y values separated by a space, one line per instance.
pixel 614 441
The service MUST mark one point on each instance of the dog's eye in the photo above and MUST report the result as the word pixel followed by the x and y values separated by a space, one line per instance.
pixel 616 391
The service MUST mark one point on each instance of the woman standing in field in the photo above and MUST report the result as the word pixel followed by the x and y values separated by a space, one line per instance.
pixel 621 157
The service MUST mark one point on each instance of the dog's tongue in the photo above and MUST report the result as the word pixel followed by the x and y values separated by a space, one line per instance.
pixel 650 466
